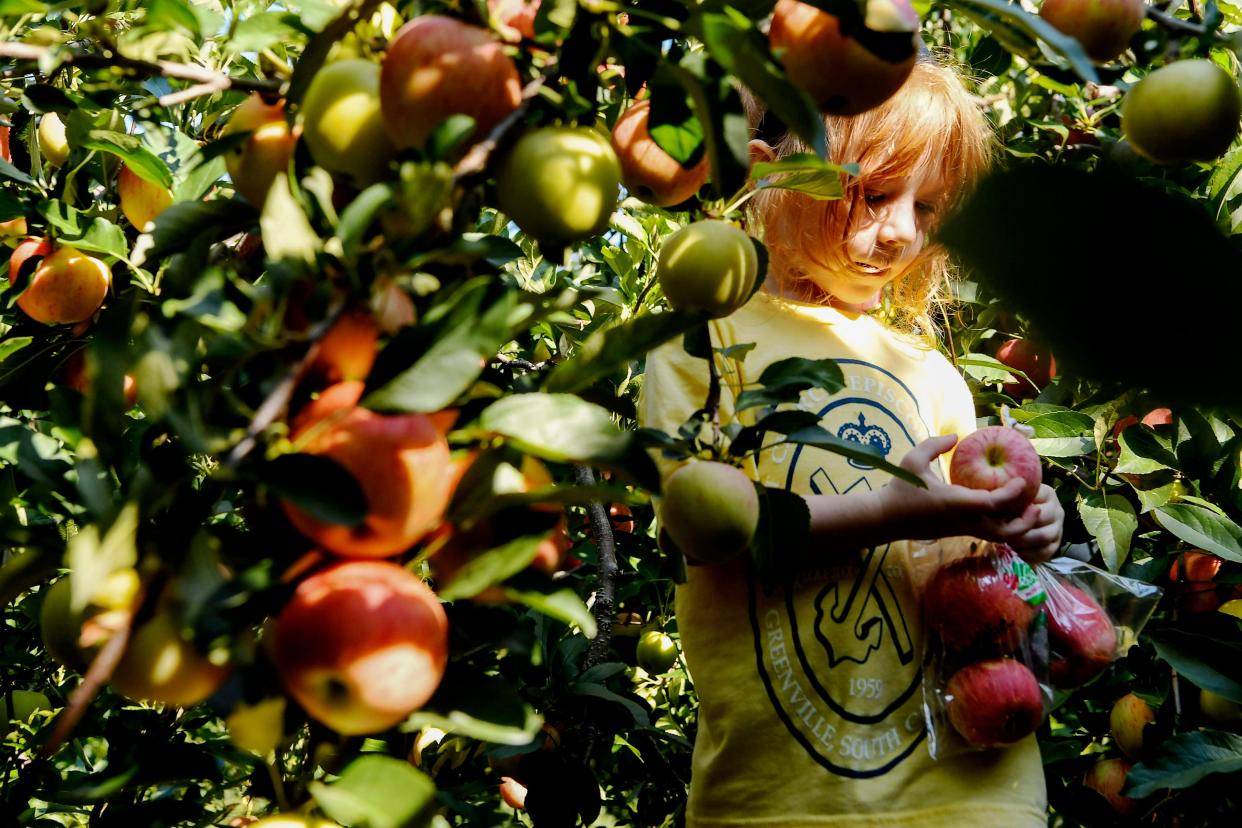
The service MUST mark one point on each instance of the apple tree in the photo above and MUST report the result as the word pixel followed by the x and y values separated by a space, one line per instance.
pixel 323 492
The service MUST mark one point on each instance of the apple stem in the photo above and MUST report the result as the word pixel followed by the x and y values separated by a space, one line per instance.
pixel 278 782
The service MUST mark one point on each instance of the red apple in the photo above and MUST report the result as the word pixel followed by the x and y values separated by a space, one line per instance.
pixel 648 172
pixel 1103 27
pixel 361 645
pixel 141 200
pixel 1038 365
pixel 518 15
pixel 438 66
pixel 994 703
pixel 66 286
pixel 1080 634
pixel 1194 574
pixel 513 792
pixel 839 73
pixel 1108 777
pixel 992 456
pixel 975 609
pixel 400 461
pixel 347 350
pixel 1127 720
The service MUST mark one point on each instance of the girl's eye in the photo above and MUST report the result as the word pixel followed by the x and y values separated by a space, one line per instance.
pixel 926 207
pixel 875 198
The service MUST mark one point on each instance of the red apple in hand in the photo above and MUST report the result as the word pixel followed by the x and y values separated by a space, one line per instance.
pixel 361 645
pixel 974 609
pixel 994 703
pixel 992 456
pixel 1081 635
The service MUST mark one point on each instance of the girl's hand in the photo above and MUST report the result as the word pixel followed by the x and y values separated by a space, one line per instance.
pixel 1041 542
pixel 944 510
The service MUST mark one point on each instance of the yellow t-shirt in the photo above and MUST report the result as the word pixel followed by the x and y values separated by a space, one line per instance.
pixel 811 702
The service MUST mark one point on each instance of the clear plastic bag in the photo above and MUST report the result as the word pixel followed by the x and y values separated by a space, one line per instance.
pixel 1094 617
pixel 985 683
pixel 1004 637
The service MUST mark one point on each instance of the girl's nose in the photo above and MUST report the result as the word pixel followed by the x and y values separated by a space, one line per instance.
pixel 899 226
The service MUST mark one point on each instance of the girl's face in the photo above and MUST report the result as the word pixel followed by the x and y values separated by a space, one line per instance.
pixel 884 237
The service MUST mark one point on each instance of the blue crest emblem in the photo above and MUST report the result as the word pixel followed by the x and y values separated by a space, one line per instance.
pixel 866 435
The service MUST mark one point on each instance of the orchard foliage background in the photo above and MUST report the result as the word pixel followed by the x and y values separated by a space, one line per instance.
pixel 168 499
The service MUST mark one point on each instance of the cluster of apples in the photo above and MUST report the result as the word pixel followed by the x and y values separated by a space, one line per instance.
pixel 1188 110
pixel 982 609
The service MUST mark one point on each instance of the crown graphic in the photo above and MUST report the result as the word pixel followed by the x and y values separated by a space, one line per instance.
pixel 866 435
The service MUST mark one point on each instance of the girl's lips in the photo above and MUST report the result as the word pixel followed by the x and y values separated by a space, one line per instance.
pixel 870 269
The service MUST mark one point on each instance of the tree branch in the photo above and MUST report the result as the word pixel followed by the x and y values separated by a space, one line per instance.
pixel 199 75
pixel 604 608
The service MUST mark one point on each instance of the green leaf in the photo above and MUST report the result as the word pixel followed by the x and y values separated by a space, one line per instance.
pixel 984 369
pixel 750 438
pixel 318 485
pixel 101 236
pixel 609 349
pixel 784 381
pixel 260 31
pixel 1183 760
pixel 1203 528
pixel 599 691
pixel 1208 662
pixel 92 557
pixel 739 47
pixel 171 14
pixel 377 792
pixel 820 438
pixel 1112 522
pixel 287 233
pixel 9 171
pixel 129 148
pixel 1062 434
pixel 561 604
pixel 181 225
pixel 491 567
pixel 1143 452
pixel 357 217
pixel 480 706
pixel 558 427
pixel 803 173
pixel 469 335
pixel 12 345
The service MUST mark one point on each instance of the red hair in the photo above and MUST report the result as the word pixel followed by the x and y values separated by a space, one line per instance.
pixel 932 119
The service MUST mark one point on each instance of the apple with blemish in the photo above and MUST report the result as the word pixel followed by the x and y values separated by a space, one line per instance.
pixel 361 645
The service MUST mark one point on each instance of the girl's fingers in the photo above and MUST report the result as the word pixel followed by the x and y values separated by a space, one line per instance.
pixel 921 456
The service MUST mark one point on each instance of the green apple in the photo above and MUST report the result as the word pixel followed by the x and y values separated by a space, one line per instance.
pixel 708 266
pixel 1186 111
pixel 711 510
pixel 25 704
pixel 656 652
pixel 560 183
pixel 342 124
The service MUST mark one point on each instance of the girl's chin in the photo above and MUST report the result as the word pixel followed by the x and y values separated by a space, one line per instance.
pixel 859 304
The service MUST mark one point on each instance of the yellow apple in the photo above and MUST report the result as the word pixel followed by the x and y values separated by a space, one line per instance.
pixel 161 665
pixel 1186 111
pixel 141 200
pixel 52 139
pixel 254 164
pixel 66 286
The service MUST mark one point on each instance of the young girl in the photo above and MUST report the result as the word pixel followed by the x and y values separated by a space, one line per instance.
pixel 811 693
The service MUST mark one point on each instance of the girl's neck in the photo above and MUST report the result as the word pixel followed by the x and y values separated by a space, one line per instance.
pixel 785 290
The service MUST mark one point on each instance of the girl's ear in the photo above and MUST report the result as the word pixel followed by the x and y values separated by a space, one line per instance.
pixel 760 151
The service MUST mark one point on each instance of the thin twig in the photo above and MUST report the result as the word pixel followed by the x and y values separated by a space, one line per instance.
pixel 475 161
pixel 198 90
pixel 1175 24
pixel 165 68
pixel 278 400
